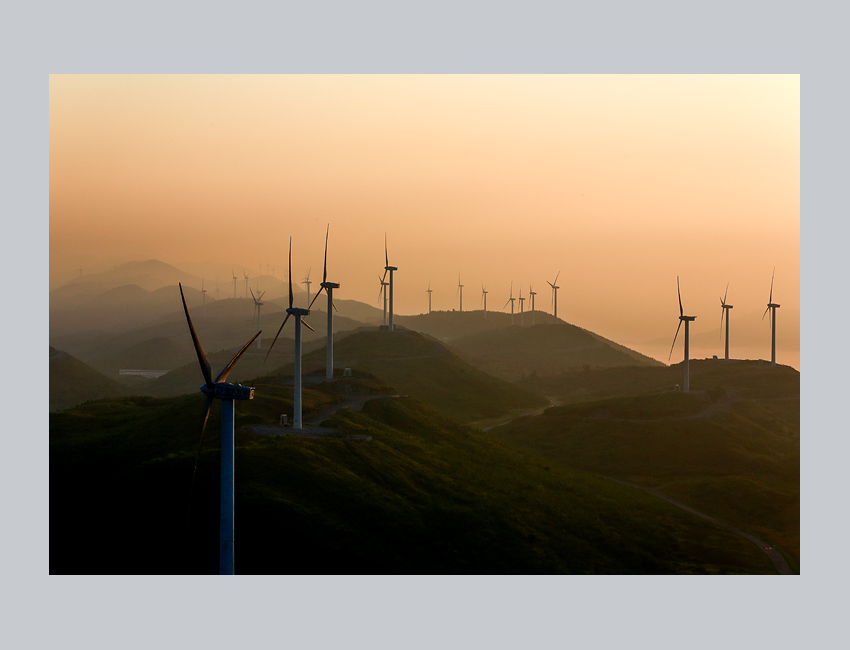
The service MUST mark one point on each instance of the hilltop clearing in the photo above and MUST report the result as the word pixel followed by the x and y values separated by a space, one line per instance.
pixel 423 495
pixel 730 448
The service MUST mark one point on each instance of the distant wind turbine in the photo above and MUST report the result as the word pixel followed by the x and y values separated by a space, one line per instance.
pixel 724 311
pixel 772 322
pixel 429 292
pixel 521 309
pixel 511 300
pixel 460 291
pixel 308 282
pixel 246 283
pixel 484 299
pixel 329 289
pixel 382 292
pixel 234 283
pixel 389 269
pixel 555 288
pixel 532 293
pixel 686 320
pixel 225 392
pixel 299 314
pixel 258 303
pixel 204 297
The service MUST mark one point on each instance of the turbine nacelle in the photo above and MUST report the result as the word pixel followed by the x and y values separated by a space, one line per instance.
pixel 223 390
pixel 330 285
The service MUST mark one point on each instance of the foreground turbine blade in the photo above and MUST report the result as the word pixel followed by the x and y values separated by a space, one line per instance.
pixel 275 336
pixel 386 255
pixel 681 311
pixel 726 294
pixel 771 284
pixel 333 304
pixel 207 407
pixel 202 358
pixel 674 341
pixel 325 271
pixel 556 278
pixel 222 376
pixel 307 325
pixel 290 276
pixel 767 309
pixel 318 293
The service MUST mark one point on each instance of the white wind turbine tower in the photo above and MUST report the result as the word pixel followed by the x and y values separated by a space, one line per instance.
pixel 225 392
pixel 724 311
pixel 429 292
pixel 234 283
pixel 521 309
pixel 532 293
pixel 308 282
pixel 389 269
pixel 687 320
pixel 772 322
pixel 460 292
pixel 258 303
pixel 484 299
pixel 299 314
pixel 555 288
pixel 329 289
pixel 204 297
pixel 511 300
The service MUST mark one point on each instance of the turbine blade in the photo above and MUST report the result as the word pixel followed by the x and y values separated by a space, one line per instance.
pixel 726 294
pixel 318 293
pixel 290 278
pixel 325 271
pixel 386 255
pixel 767 309
pixel 222 376
pixel 506 304
pixel 307 325
pixel 252 295
pixel 207 407
pixel 333 304
pixel 681 311
pixel 550 284
pixel 771 284
pixel 202 358
pixel 722 313
pixel 674 341
pixel 275 337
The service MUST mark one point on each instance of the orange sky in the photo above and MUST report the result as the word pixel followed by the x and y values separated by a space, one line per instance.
pixel 619 182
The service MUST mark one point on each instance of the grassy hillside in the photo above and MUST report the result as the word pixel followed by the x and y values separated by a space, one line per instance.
pixel 425 495
pixel 424 368
pixel 516 352
pixel 72 382
pixel 732 451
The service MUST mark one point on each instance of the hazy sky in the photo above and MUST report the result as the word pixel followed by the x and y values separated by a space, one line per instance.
pixel 618 182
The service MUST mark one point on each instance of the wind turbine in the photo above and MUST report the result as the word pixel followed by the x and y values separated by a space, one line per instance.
pixel 484 299
pixel 460 291
pixel 308 282
pixel 511 300
pixel 204 296
pixel 389 269
pixel 724 311
pixel 521 309
pixel 555 288
pixel 383 292
pixel 429 292
pixel 246 283
pixel 299 314
pixel 772 322
pixel 686 320
pixel 257 305
pixel 234 283
pixel 532 293
pixel 220 389
pixel 329 289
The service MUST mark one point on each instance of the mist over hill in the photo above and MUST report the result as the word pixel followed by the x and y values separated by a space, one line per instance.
pixel 72 382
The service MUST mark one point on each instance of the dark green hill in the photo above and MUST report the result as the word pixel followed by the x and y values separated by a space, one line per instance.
pixel 424 368
pixel 424 495
pixel 72 382
pixel 516 352
pixel 451 325
pixel 730 449
pixel 745 378
pixel 152 354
